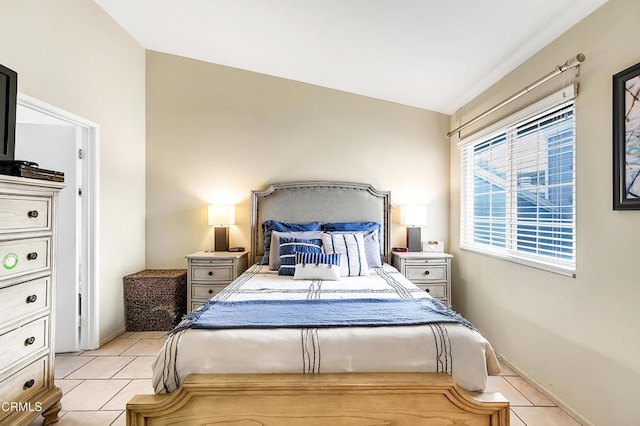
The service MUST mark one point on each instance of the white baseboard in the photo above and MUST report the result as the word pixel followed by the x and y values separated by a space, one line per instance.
pixel 559 402
pixel 109 338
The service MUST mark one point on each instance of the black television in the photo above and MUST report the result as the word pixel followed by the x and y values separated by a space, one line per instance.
pixel 8 103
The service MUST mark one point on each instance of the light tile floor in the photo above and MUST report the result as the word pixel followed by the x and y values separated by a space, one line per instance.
pixel 96 385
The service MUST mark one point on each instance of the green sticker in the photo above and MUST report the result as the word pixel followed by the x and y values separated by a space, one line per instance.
pixel 10 261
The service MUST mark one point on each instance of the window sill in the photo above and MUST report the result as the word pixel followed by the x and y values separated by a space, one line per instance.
pixel 556 269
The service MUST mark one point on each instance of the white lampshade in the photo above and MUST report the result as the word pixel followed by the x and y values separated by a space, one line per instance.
pixel 414 215
pixel 221 214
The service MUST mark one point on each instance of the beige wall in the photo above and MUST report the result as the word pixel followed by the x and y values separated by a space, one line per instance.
pixel 215 133
pixel 577 338
pixel 72 55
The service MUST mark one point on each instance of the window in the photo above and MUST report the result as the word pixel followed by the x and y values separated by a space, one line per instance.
pixel 518 189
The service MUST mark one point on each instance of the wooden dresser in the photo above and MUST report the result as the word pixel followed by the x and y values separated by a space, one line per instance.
pixel 208 273
pixel 27 295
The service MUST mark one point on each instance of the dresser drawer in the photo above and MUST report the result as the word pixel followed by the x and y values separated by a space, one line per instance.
pixel 419 273
pixel 22 342
pixel 208 273
pixel 203 291
pixel 439 291
pixel 23 213
pixel 195 304
pixel 24 384
pixel 437 261
pixel 221 261
pixel 21 257
pixel 20 300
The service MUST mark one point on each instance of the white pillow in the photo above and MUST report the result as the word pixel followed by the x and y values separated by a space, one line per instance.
pixel 314 266
pixel 371 246
pixel 353 260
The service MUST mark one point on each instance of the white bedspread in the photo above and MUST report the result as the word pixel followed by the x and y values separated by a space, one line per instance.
pixel 450 348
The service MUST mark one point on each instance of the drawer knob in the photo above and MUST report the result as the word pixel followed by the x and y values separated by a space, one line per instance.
pixel 29 341
pixel 426 272
pixel 32 298
pixel 29 384
pixel 427 290
pixel 32 256
pixel 32 214
pixel 210 291
pixel 210 273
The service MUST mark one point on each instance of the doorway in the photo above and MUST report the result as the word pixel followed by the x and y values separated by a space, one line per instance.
pixel 59 140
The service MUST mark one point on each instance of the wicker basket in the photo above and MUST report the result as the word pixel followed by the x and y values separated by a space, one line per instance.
pixel 155 299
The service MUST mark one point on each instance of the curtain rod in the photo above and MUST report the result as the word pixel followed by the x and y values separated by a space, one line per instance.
pixel 571 63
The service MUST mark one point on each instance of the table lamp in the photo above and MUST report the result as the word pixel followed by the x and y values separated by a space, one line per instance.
pixel 414 217
pixel 220 216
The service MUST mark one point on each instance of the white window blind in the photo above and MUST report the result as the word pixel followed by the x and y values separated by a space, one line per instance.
pixel 518 190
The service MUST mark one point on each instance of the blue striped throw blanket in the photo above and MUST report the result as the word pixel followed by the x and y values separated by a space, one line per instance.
pixel 317 313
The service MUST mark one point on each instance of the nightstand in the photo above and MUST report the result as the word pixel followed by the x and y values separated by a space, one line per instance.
pixel 430 271
pixel 208 273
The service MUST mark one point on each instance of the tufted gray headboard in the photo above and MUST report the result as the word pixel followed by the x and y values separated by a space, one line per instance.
pixel 323 201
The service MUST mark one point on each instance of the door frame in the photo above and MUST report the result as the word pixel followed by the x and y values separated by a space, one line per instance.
pixel 88 133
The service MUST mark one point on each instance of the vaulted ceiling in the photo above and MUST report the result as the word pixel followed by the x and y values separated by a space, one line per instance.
pixel 431 54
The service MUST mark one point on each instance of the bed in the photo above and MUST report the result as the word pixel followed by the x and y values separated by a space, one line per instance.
pixel 371 373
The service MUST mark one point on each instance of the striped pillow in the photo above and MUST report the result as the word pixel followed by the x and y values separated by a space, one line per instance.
pixel 274 250
pixel 288 249
pixel 371 247
pixel 351 247
pixel 317 266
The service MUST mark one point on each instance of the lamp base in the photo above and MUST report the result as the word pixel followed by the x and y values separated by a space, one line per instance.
pixel 221 238
pixel 414 239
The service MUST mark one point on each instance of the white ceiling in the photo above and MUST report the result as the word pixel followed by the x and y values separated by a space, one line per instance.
pixel 431 54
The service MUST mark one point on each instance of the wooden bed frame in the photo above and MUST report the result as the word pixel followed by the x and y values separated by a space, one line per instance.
pixel 411 399
pixel 349 399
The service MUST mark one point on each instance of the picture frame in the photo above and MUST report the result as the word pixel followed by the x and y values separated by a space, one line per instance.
pixel 626 139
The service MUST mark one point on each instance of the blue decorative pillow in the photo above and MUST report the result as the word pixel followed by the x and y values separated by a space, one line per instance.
pixel 274 225
pixel 274 250
pixel 371 232
pixel 315 258
pixel 317 266
pixel 288 249
pixel 351 226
